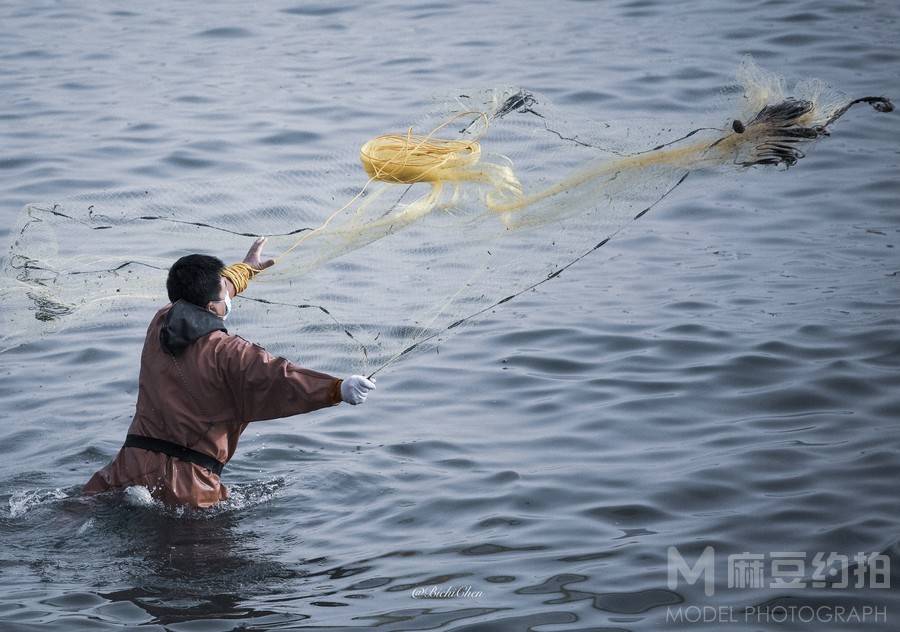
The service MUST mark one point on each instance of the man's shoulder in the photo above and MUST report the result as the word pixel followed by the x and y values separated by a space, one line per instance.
pixel 235 354
pixel 224 342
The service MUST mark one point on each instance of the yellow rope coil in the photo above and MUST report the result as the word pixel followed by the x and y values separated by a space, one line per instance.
pixel 239 274
pixel 407 159
pixel 411 158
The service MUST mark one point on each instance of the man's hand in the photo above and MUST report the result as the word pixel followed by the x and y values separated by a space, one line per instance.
pixel 355 389
pixel 253 258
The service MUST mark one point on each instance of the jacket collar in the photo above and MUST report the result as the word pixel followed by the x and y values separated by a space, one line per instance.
pixel 186 323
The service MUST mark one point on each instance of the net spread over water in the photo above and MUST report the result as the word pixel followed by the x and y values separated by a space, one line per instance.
pixel 488 196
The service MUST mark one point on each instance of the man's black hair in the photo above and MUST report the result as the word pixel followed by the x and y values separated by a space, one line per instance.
pixel 196 279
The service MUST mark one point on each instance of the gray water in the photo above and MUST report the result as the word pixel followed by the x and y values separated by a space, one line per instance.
pixel 725 374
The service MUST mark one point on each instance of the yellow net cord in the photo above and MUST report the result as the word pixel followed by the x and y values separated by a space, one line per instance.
pixel 410 159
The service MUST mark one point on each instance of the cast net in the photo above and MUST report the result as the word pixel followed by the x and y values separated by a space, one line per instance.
pixel 490 194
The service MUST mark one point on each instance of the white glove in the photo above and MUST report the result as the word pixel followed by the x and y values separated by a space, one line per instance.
pixel 355 389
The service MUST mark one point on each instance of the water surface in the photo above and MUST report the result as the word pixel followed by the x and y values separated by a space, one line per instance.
pixel 723 374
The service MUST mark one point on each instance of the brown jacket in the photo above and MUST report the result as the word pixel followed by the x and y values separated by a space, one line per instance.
pixel 203 397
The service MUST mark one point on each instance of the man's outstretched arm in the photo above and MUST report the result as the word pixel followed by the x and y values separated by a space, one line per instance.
pixel 264 386
pixel 269 387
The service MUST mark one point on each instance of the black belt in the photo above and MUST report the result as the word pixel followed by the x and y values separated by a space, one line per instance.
pixel 173 449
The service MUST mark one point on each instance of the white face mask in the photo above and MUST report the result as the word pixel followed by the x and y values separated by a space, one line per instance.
pixel 227 301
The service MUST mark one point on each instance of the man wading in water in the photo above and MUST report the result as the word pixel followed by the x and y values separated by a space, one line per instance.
pixel 200 387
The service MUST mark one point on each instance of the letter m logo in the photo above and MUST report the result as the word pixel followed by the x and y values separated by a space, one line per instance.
pixel 704 567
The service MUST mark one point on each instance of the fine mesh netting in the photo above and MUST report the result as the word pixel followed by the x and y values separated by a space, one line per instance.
pixel 486 196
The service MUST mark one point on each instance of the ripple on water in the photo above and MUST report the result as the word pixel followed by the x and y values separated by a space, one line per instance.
pixel 290 137
pixel 225 32
pixel 184 159
pixel 635 514
pixel 314 9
